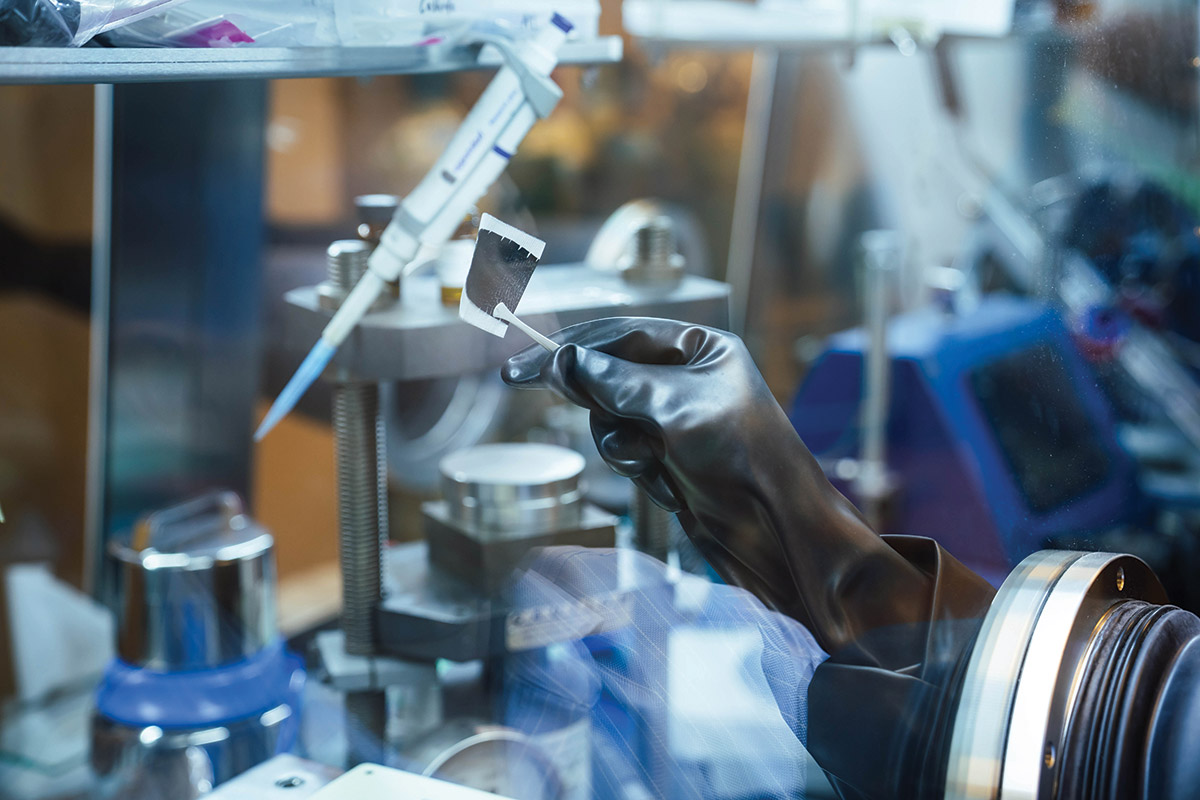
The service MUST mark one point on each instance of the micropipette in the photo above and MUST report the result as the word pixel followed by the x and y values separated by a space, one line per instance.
pixel 520 94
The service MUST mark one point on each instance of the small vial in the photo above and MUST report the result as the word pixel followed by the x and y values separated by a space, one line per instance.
pixel 374 212
pixel 454 262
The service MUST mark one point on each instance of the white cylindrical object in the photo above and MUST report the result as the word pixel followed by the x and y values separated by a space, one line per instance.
pixel 397 247
pixel 354 307
pixel 503 99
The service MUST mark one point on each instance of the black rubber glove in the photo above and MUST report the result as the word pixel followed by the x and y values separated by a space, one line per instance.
pixel 683 411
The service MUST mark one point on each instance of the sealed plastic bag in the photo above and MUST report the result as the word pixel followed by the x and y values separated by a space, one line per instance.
pixel 61 23
pixel 317 23
pixel 221 23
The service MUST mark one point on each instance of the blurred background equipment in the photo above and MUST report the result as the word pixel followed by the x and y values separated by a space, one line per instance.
pixel 984 410
pixel 1013 367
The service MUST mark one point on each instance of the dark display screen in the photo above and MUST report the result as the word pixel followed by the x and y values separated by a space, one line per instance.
pixel 1043 430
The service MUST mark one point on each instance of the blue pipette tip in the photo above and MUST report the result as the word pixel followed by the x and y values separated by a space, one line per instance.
pixel 562 22
pixel 310 369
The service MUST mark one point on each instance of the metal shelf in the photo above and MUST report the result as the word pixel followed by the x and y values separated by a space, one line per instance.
pixel 28 65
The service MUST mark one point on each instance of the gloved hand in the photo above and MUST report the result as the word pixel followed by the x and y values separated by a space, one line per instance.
pixel 682 410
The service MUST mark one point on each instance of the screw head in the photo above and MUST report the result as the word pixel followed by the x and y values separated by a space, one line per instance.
pixel 1050 756
pixel 290 782
pixel 1120 579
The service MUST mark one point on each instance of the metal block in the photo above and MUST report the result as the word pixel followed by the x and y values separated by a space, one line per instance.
pixel 486 560
pixel 351 673
pixel 419 337
pixel 427 615
pixel 282 778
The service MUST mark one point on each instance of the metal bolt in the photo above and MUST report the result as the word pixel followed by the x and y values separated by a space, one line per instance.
pixel 290 782
pixel 654 258
pixel 1120 579
pixel 361 474
pixel 651 525
pixel 655 242
pixel 346 262
pixel 1050 756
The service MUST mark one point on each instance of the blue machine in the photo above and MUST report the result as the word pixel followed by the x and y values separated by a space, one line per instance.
pixel 998 432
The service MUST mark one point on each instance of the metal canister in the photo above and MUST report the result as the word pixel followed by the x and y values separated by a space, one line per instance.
pixel 497 490
pixel 198 587
pixel 202 687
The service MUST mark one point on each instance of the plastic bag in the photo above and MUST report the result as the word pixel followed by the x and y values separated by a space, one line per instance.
pixel 61 23
pixel 325 23
pixel 220 23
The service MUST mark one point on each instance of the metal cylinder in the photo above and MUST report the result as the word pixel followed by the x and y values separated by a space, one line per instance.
pixel 881 254
pixel 651 524
pixel 498 489
pixel 203 687
pixel 198 587
pixel 361 474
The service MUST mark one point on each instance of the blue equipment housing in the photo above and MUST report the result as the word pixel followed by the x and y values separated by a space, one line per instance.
pixel 997 431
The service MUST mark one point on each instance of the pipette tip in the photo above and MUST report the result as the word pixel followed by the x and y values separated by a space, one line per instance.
pixel 310 369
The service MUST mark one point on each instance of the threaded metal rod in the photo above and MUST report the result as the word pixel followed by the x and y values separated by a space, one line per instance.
pixel 360 508
pixel 651 525
pixel 366 727
pixel 361 477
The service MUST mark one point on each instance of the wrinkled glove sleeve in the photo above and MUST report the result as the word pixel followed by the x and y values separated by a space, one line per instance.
pixel 879 728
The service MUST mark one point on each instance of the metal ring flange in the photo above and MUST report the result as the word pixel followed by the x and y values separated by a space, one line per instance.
pixel 1024 671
